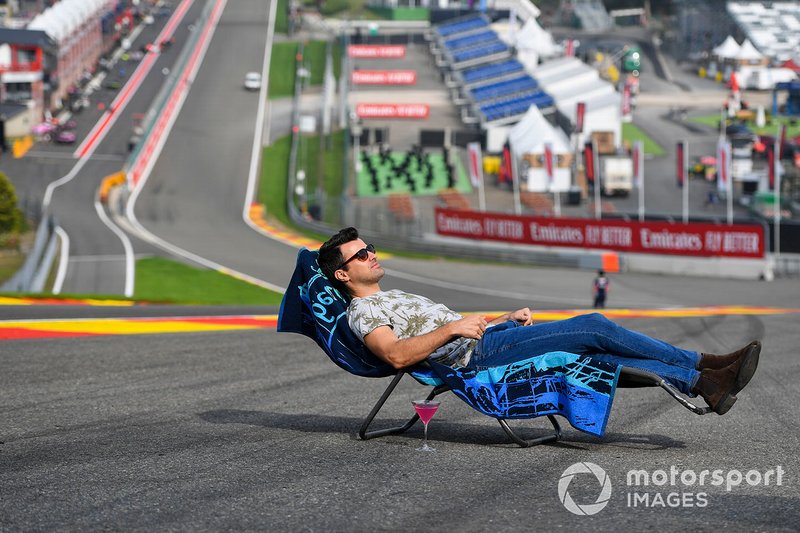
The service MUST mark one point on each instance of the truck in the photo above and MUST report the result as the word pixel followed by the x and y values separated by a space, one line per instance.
pixel 616 175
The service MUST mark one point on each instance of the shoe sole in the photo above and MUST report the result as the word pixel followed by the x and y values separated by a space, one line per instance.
pixel 743 377
pixel 748 368
pixel 725 404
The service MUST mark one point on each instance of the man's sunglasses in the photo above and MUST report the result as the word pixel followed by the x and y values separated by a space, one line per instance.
pixel 362 255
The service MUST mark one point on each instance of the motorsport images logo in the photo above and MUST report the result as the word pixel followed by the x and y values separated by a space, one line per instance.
pixel 589 508
pixel 663 488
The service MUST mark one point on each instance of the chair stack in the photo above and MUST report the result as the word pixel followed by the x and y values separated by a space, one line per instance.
pixel 452 199
pixel 401 207
pixel 539 203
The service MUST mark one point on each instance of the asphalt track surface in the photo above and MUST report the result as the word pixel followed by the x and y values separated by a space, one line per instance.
pixel 256 430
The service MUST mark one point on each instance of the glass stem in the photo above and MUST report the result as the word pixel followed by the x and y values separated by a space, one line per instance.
pixel 425 432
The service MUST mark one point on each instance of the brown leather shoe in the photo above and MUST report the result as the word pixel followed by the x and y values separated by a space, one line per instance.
pixel 715 387
pixel 710 360
pixel 719 386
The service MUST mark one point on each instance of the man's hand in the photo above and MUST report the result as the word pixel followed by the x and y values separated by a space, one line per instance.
pixel 471 327
pixel 523 316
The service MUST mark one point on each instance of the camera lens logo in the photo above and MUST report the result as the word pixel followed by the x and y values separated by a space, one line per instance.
pixel 586 509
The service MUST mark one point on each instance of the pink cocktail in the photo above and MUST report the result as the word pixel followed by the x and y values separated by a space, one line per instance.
pixel 426 409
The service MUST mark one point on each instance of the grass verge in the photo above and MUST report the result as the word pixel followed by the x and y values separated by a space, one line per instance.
pixel 631 133
pixel 275 169
pixel 282 66
pixel 164 280
pixel 792 124
pixel 281 70
pixel 281 17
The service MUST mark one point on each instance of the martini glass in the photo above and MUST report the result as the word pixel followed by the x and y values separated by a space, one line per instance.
pixel 426 409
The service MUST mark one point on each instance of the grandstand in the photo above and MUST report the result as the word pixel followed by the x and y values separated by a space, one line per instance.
pixel 491 84
pixel 468 41
pixel 773 27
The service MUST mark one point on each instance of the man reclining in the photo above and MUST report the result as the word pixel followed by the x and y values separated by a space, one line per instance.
pixel 404 329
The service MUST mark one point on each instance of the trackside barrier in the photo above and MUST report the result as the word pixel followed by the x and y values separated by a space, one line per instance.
pixel 33 274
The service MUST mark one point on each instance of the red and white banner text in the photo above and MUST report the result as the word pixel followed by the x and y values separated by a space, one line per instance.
pixel 369 51
pixel 393 110
pixel 704 240
pixel 384 77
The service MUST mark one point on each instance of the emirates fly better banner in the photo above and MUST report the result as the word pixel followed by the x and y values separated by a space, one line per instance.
pixel 393 110
pixel 707 240
pixel 381 51
pixel 383 77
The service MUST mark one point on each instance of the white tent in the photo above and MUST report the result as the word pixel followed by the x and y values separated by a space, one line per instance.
pixel 582 92
pixel 60 20
pixel 748 52
pixel 531 133
pixel 555 65
pixel 533 37
pixel 603 113
pixel 556 82
pixel 729 48
pixel 529 136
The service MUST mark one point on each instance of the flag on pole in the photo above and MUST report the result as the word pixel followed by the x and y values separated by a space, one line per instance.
pixel 723 164
pixel 549 164
pixel 475 164
pixel 505 166
pixel 681 163
pixel 638 171
pixel 638 174
pixel 580 113
pixel 771 166
pixel 569 48
pixel 588 162
pixel 627 102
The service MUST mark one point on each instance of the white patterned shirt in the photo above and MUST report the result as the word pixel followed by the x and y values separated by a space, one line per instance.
pixel 409 315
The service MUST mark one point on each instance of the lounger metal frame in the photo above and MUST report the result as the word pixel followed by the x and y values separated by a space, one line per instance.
pixel 629 377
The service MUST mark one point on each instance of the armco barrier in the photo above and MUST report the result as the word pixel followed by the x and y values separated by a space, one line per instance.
pixel 31 276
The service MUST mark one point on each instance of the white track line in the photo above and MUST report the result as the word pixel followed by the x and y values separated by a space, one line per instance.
pixel 130 273
pixel 63 260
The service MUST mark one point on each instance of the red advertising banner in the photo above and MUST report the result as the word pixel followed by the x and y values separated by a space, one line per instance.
pixel 393 110
pixel 384 77
pixel 381 51
pixel 580 112
pixel 703 240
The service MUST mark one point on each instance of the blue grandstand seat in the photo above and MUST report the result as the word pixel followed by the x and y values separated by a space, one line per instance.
pixel 516 85
pixel 481 50
pixel 471 39
pixel 487 72
pixel 459 26
pixel 515 105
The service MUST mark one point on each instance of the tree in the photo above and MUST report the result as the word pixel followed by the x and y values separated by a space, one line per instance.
pixel 10 215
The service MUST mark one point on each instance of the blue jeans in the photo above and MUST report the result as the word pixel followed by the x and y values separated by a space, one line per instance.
pixel 591 334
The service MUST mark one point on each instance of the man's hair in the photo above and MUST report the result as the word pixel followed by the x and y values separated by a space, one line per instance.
pixel 330 256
